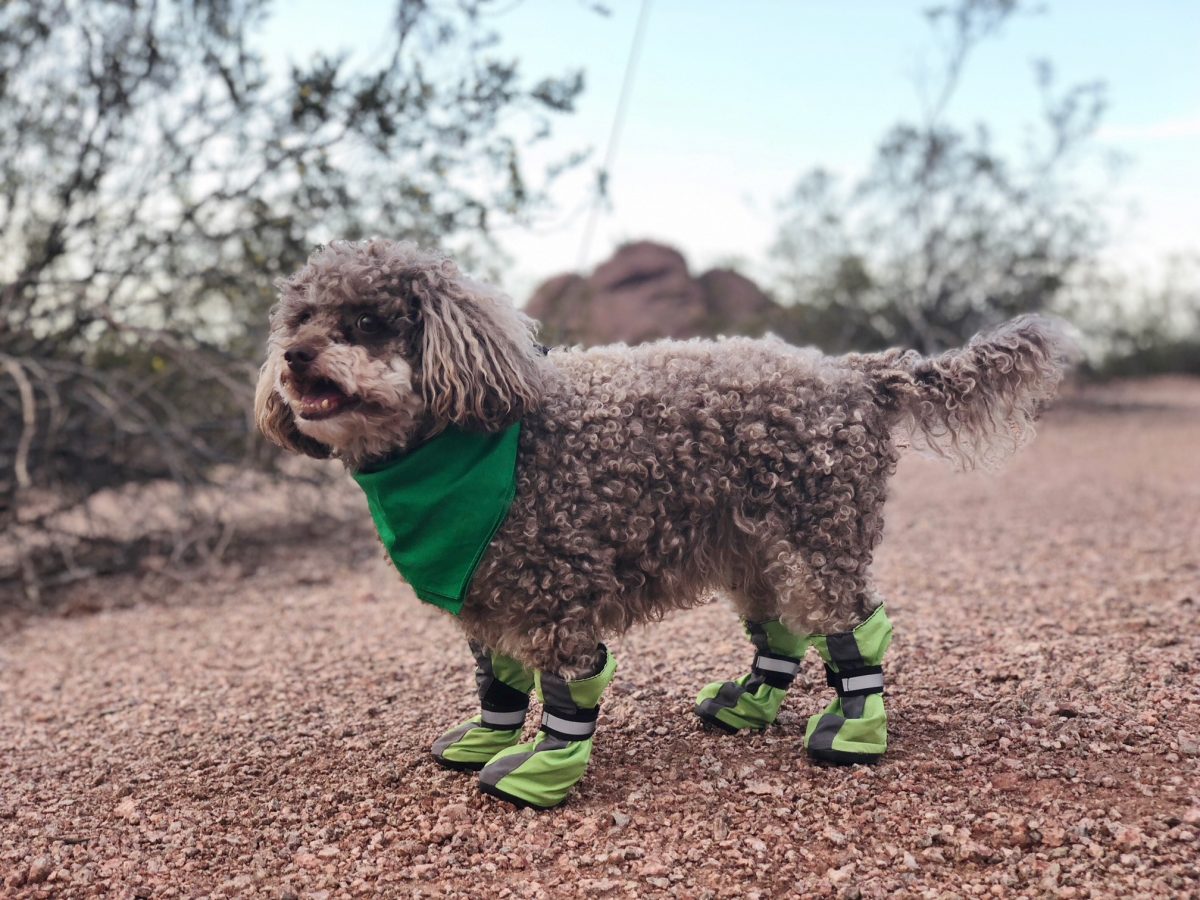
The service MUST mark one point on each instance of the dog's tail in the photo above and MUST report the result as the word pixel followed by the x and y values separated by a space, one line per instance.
pixel 976 405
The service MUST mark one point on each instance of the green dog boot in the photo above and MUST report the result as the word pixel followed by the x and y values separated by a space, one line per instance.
pixel 853 729
pixel 504 686
pixel 753 700
pixel 541 773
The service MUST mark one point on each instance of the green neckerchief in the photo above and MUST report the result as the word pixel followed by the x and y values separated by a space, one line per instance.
pixel 437 508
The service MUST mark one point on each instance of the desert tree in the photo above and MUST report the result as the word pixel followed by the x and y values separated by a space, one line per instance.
pixel 158 171
pixel 947 232
pixel 1143 323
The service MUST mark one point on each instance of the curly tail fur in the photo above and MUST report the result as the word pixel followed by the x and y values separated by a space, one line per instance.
pixel 976 406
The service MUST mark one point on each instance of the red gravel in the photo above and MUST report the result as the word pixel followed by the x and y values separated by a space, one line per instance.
pixel 268 735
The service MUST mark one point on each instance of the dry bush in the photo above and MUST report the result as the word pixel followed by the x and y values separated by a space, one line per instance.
pixel 155 178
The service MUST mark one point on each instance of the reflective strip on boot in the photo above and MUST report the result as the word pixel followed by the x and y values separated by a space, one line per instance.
pixel 783 664
pixel 576 728
pixel 503 719
pixel 775 669
pixel 849 682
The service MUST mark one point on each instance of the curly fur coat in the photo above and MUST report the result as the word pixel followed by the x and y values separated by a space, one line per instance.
pixel 648 477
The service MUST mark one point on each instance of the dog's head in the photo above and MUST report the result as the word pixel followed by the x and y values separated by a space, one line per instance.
pixel 374 342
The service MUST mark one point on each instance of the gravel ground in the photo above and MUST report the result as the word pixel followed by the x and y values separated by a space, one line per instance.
pixel 268 734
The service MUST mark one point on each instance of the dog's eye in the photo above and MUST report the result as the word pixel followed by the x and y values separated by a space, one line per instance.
pixel 369 324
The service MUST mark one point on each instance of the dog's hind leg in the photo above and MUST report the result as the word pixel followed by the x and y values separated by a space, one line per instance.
pixel 504 686
pixel 853 728
pixel 854 636
pixel 753 700
pixel 542 773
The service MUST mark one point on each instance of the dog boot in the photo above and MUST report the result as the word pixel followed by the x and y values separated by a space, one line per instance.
pixel 753 700
pixel 853 729
pixel 541 773
pixel 504 686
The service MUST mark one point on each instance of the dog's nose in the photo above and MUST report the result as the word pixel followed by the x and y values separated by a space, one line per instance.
pixel 299 358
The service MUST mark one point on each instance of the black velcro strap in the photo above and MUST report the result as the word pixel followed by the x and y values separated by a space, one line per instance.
pixel 584 719
pixel 856 682
pixel 775 669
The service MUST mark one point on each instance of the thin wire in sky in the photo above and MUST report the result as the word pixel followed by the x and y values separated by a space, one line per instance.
pixel 614 136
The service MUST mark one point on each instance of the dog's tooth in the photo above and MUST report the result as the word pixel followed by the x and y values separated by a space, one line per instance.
pixel 325 403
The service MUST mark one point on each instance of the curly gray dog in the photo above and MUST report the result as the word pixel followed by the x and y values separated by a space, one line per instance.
pixel 630 482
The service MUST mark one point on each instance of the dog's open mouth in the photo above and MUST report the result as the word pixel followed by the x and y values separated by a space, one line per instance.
pixel 322 399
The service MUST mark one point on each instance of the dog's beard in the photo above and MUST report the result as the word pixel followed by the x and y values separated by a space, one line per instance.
pixel 360 408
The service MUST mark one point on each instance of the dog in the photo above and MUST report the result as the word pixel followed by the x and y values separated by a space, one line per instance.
pixel 646 479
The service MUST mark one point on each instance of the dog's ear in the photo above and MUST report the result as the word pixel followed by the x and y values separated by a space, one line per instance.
pixel 275 420
pixel 479 364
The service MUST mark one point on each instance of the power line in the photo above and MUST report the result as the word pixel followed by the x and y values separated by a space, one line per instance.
pixel 614 135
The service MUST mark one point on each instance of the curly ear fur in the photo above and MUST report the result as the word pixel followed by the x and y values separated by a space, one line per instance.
pixel 479 364
pixel 275 420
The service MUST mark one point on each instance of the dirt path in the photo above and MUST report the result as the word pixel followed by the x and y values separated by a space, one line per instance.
pixel 268 736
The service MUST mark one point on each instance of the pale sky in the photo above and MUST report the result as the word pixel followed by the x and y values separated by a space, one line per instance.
pixel 733 101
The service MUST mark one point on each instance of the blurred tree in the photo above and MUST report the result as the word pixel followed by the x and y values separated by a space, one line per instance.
pixel 156 176
pixel 1142 325
pixel 945 234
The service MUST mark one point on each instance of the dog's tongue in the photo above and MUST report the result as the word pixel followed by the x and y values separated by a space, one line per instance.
pixel 321 400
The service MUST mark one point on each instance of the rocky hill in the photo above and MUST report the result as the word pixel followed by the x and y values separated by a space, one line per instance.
pixel 645 291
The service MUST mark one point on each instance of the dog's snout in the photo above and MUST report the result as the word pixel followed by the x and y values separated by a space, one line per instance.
pixel 300 358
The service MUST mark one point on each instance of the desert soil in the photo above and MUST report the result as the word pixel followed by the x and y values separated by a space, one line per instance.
pixel 268 734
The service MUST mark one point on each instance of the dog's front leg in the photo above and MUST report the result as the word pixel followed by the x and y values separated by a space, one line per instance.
pixel 504 686
pixel 542 772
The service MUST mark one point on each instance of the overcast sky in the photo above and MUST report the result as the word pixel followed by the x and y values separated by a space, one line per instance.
pixel 732 101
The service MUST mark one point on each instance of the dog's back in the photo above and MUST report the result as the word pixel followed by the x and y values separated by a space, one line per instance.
pixel 650 475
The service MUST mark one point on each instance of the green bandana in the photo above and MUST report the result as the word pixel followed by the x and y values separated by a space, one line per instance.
pixel 437 508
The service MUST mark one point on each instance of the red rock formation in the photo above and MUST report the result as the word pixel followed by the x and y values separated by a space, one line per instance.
pixel 644 291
